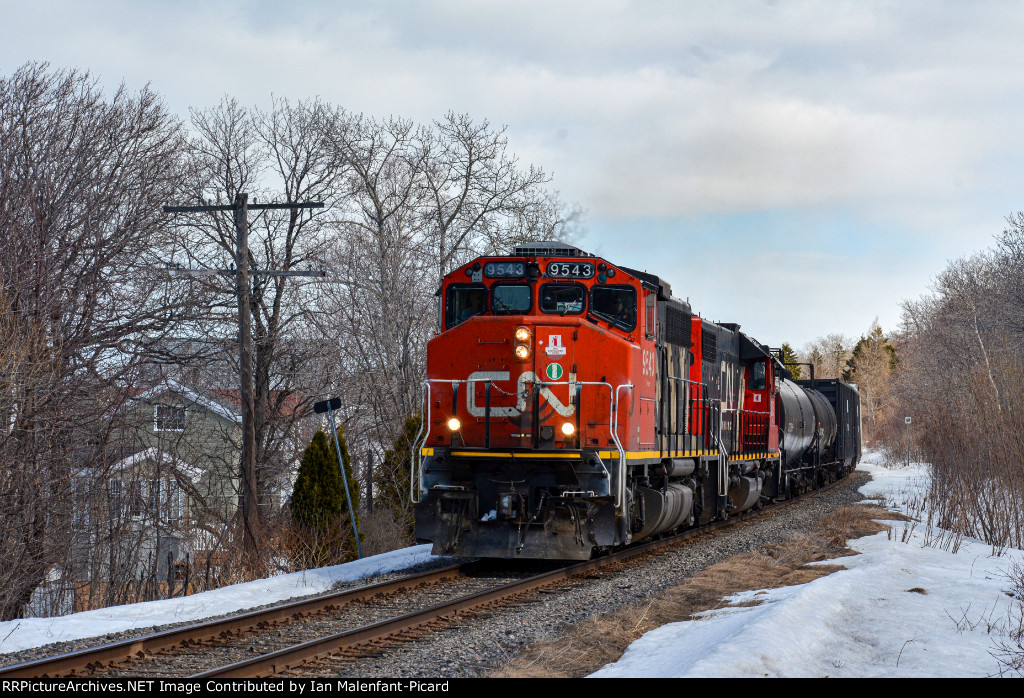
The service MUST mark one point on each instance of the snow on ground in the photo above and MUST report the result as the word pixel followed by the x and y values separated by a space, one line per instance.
pixel 32 632
pixel 862 621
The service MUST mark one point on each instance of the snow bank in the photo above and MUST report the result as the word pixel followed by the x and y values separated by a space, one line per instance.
pixel 900 609
pixel 32 632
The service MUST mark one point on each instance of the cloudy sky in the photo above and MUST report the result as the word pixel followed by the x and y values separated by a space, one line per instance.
pixel 797 167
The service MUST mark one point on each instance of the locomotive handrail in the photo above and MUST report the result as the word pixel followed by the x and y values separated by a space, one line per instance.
pixel 745 428
pixel 686 380
pixel 723 455
pixel 415 456
pixel 620 489
pixel 612 417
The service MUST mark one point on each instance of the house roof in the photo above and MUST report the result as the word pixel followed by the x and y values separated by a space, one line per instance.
pixel 288 404
pixel 169 384
pixel 224 402
pixel 154 454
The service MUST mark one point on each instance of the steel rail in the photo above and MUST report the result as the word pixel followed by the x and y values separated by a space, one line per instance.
pixel 122 650
pixel 295 656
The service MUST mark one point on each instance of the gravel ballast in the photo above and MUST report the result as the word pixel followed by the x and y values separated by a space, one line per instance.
pixel 478 645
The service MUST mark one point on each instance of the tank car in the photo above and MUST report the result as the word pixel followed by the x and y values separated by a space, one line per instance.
pixel 573 406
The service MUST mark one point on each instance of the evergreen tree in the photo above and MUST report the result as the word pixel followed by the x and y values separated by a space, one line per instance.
pixel 874 343
pixel 392 477
pixel 872 367
pixel 817 359
pixel 790 360
pixel 318 503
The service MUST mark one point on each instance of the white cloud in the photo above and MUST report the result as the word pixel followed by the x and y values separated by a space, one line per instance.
pixel 902 115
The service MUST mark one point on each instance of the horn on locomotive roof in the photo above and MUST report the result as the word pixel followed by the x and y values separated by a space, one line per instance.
pixel 548 248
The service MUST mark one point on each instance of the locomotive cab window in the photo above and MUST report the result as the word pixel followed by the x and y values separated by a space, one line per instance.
pixel 511 299
pixel 758 379
pixel 463 302
pixel 562 299
pixel 615 305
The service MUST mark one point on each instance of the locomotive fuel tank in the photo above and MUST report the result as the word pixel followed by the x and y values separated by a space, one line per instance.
pixel 666 509
pixel 804 414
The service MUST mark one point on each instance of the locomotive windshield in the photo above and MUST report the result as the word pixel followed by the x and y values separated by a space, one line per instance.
pixel 615 305
pixel 511 299
pixel 463 302
pixel 562 299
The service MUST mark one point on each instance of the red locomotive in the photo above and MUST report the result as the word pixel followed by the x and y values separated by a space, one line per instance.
pixel 572 405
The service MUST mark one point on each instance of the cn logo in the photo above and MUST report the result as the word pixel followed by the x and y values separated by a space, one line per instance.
pixel 523 389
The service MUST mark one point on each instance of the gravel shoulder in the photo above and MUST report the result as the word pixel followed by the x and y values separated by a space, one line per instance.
pixel 481 644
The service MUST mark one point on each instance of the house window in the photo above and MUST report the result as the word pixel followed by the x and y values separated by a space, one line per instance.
pixel 136 499
pixel 168 418
pixel 152 500
pixel 116 502
pixel 172 503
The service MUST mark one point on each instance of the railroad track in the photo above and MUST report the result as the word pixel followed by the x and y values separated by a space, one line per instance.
pixel 362 641
pixel 91 659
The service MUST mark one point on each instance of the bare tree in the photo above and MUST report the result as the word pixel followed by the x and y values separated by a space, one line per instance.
pixel 478 196
pixel 829 355
pixel 278 155
pixel 380 305
pixel 82 180
pixel 959 379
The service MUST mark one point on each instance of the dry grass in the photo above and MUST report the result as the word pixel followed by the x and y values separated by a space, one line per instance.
pixel 382 532
pixel 587 646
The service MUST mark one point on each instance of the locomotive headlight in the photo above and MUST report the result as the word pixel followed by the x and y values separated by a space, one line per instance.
pixel 522 352
pixel 522 334
pixel 454 424
pixel 568 428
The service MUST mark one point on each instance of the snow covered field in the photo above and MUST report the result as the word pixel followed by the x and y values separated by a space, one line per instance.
pixel 900 609
pixel 32 632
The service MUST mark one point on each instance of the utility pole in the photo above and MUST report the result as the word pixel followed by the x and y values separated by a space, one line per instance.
pixel 243 272
pixel 250 508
